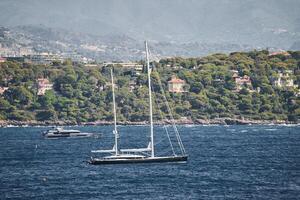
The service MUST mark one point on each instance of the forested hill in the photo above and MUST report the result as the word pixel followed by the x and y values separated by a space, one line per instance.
pixel 253 85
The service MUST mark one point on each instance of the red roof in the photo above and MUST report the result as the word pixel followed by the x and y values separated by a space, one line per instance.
pixel 2 59
pixel 279 53
pixel 176 80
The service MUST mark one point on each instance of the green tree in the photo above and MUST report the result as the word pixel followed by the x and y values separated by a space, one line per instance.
pixel 19 96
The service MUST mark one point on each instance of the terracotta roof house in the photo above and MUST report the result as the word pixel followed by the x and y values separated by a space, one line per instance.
pixel 241 81
pixel 2 59
pixel 176 85
pixel 43 86
pixel 284 53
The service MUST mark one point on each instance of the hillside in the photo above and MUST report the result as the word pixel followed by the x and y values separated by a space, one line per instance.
pixel 31 39
pixel 250 85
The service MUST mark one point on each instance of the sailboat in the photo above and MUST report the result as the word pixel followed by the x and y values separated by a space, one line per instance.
pixel 139 155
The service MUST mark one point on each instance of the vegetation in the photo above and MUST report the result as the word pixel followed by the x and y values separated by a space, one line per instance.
pixel 83 94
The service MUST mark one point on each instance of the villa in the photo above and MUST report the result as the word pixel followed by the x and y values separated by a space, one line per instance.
pixel 284 80
pixel 176 85
pixel 43 86
pixel 241 81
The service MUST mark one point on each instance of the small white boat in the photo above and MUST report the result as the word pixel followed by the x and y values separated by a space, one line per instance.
pixel 60 132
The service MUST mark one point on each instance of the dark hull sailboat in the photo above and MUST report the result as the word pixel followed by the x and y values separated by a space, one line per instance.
pixel 97 161
pixel 126 156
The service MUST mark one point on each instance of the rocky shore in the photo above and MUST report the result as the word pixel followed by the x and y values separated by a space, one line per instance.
pixel 217 121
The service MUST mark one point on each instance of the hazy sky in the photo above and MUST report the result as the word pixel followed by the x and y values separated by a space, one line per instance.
pixel 241 21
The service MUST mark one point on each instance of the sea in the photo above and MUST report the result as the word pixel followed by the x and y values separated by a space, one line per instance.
pixel 225 162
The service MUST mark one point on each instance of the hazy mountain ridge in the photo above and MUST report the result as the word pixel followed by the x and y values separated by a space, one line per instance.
pixel 118 47
pixel 269 23
pixel 43 39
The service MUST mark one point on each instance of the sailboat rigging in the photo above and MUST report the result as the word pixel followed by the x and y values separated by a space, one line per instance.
pixel 122 156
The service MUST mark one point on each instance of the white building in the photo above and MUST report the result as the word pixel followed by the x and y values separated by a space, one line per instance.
pixel 284 80
pixel 43 86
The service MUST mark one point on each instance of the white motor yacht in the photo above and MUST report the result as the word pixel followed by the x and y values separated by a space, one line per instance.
pixel 60 132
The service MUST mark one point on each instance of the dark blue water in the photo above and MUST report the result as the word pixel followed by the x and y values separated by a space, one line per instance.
pixel 236 162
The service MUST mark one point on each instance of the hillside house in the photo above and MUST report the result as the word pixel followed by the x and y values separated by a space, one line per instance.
pixel 132 85
pixel 138 69
pixel 284 80
pixel 176 85
pixel 284 53
pixel 135 69
pixel 3 89
pixel 43 86
pixel 2 59
pixel 43 58
pixel 241 81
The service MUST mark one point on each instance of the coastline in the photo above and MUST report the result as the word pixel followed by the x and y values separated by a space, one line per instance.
pixel 218 121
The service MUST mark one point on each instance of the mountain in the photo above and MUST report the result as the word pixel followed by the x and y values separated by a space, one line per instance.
pixel 115 29
pixel 21 40
pixel 269 23
pixel 37 39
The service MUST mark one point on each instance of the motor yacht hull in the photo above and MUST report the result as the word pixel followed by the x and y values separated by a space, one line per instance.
pixel 64 135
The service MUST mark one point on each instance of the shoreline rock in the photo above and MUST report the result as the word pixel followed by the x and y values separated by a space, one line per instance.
pixel 217 121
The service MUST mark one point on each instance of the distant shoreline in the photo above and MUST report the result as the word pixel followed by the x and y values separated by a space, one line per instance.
pixel 218 121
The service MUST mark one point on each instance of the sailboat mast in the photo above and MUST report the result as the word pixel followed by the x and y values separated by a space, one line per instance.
pixel 150 100
pixel 115 131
